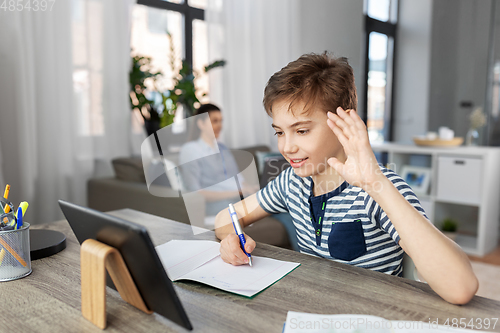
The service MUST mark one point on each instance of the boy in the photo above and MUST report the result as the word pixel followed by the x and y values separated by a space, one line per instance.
pixel 345 207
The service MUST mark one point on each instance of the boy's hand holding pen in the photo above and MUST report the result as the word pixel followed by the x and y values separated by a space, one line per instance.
pixel 236 248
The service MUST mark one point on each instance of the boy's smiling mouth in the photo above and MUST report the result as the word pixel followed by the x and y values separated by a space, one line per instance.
pixel 297 162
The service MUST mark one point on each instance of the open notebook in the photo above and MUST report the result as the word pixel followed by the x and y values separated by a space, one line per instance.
pixel 200 261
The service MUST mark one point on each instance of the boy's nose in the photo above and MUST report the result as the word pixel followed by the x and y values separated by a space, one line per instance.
pixel 290 147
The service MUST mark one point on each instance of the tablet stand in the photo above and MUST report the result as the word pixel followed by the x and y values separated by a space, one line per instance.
pixel 95 259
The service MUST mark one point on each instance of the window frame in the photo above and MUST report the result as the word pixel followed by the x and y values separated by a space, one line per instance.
pixel 390 30
pixel 190 14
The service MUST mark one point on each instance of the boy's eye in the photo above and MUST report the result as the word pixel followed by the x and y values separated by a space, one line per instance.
pixel 303 131
pixel 278 133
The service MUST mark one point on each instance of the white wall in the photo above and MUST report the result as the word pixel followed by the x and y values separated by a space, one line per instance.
pixel 260 38
pixel 412 69
pixel 459 61
pixel 335 26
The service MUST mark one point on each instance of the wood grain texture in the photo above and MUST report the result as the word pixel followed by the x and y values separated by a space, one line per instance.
pixel 95 259
pixel 93 282
pixel 49 298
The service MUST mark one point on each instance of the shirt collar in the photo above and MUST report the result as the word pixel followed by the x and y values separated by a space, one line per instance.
pixel 328 195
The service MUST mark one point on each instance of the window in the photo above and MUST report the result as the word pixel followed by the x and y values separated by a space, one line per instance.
pixel 380 27
pixel 188 14
pixel 495 101
pixel 184 21
pixel 87 67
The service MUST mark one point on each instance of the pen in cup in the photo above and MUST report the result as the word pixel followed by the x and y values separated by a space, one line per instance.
pixel 239 231
pixel 19 218
pixel 6 196
pixel 24 205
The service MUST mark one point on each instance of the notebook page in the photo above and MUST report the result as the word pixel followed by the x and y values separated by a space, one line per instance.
pixel 243 280
pixel 200 261
pixel 180 257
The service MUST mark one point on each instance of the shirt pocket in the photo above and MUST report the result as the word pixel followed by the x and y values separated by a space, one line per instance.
pixel 347 240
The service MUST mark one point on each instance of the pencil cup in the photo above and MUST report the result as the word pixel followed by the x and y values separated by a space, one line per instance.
pixel 15 261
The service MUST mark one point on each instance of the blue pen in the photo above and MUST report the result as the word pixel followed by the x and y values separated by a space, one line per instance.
pixel 19 218
pixel 239 231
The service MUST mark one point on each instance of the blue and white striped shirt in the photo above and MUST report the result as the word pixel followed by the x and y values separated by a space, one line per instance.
pixel 355 230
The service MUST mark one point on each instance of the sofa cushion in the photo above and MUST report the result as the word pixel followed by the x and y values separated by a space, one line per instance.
pixel 106 194
pixel 129 169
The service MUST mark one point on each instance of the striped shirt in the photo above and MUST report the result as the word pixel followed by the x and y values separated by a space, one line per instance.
pixel 354 230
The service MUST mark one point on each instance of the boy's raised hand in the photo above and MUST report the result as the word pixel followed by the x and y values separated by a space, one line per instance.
pixel 361 167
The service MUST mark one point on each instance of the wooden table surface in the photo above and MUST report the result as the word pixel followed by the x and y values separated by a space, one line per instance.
pixel 49 298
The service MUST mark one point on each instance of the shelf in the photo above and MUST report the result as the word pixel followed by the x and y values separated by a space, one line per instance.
pixel 413 149
pixel 464 186
pixel 458 202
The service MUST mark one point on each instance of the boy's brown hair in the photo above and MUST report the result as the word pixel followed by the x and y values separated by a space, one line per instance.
pixel 318 80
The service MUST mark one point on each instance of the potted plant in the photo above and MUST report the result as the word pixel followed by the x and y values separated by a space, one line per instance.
pixel 140 71
pixel 449 228
pixel 184 91
pixel 160 114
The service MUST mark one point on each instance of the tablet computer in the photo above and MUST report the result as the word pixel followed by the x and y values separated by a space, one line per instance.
pixel 138 252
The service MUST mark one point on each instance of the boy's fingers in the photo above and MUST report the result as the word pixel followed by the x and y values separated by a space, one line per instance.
pixel 338 132
pixel 227 256
pixel 250 244
pixel 336 164
pixel 358 122
pixel 340 124
pixel 357 125
pixel 231 259
pixel 330 123
pixel 231 251
pixel 341 112
pixel 346 115
pixel 346 123
pixel 235 248
pixel 224 255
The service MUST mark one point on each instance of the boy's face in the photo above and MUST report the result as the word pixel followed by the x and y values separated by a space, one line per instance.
pixel 305 141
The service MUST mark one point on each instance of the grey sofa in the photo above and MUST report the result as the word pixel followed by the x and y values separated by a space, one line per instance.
pixel 128 189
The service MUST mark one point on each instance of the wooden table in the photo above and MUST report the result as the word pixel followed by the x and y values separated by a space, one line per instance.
pixel 49 299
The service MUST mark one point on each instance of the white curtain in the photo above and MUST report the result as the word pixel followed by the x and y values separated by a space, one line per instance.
pixel 63 100
pixel 256 38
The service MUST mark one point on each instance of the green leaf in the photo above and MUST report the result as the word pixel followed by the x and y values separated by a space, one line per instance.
pixel 215 64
